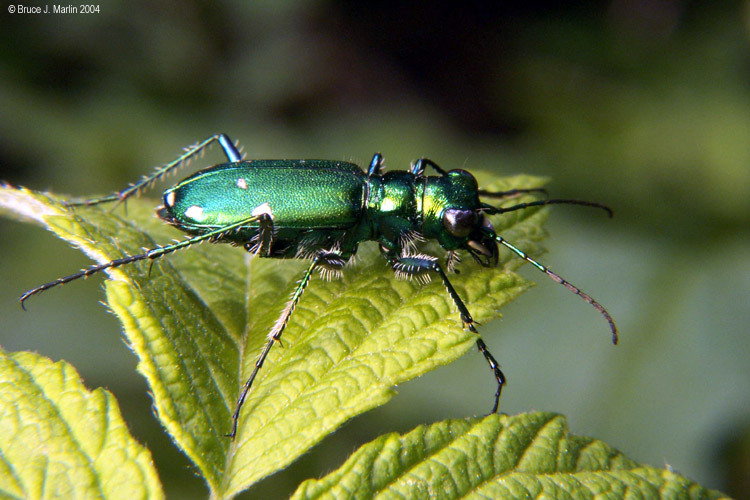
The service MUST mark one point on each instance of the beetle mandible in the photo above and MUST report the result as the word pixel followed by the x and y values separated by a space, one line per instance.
pixel 335 206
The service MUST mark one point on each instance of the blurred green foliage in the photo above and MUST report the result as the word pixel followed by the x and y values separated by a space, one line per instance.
pixel 642 105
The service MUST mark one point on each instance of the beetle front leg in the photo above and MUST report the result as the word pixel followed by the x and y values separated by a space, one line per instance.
pixel 419 264
pixel 327 260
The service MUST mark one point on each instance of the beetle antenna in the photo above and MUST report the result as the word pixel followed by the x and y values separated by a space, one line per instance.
pixel 559 279
pixel 511 192
pixel 489 209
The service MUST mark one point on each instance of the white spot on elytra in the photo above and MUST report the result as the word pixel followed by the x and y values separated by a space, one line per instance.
pixel 241 183
pixel 195 212
pixel 169 199
pixel 263 209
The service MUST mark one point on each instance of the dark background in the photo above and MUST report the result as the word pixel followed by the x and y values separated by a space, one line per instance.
pixel 644 105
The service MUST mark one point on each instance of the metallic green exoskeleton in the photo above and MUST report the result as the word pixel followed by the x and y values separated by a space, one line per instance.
pixel 322 210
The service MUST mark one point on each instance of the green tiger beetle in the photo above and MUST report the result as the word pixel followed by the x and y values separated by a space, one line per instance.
pixel 321 210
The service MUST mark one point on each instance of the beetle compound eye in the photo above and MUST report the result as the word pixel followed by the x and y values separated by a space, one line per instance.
pixel 459 222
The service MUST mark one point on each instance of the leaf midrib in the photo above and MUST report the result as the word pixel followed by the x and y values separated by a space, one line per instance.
pixel 231 450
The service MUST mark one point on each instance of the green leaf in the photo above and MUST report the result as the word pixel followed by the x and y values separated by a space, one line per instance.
pixel 198 319
pixel 58 440
pixel 525 456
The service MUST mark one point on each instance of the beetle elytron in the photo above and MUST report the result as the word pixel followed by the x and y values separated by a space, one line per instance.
pixel 322 210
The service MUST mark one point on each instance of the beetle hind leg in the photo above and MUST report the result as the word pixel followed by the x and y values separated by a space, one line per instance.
pixel 230 150
pixel 325 259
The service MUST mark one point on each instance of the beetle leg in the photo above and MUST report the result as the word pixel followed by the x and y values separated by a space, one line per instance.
pixel 419 167
pixel 264 238
pixel 261 243
pixel 325 259
pixel 231 149
pixel 452 260
pixel 376 165
pixel 151 254
pixel 418 264
pixel 231 152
